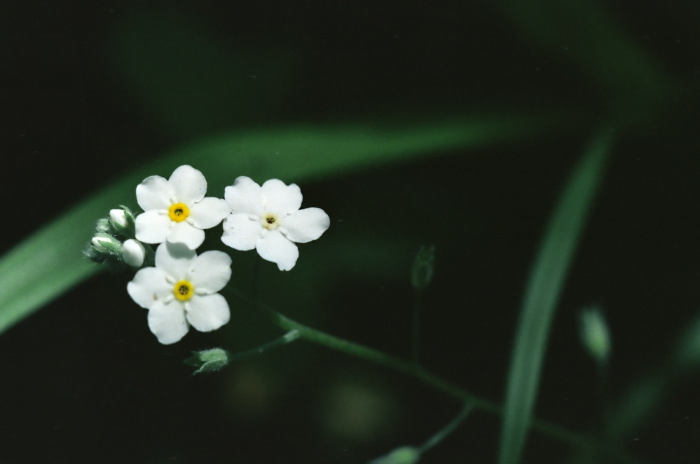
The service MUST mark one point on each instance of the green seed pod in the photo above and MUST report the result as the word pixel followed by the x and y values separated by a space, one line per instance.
pixel 423 266
pixel 594 334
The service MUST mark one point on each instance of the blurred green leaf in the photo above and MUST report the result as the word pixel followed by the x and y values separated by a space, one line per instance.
pixel 687 353
pixel 546 282
pixel 643 399
pixel 50 262
pixel 584 33
pixel 191 82
pixel 639 403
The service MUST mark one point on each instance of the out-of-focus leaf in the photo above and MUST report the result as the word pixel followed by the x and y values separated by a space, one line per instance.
pixel 645 396
pixel 687 353
pixel 546 282
pixel 189 81
pixel 50 262
pixel 584 33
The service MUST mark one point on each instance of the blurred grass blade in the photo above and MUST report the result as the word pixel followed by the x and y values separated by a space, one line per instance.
pixel 188 80
pixel 585 33
pixel 687 354
pixel 542 293
pixel 643 399
pixel 50 262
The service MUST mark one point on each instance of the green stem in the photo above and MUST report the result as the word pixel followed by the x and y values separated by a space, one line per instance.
pixel 550 429
pixel 289 337
pixel 416 325
pixel 445 431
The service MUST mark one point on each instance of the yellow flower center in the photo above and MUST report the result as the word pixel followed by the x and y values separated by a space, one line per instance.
pixel 270 221
pixel 179 212
pixel 183 290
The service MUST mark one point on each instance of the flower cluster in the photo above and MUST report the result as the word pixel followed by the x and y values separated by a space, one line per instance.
pixel 181 289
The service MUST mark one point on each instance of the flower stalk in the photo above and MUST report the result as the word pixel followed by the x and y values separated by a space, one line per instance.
pixel 552 430
pixel 421 275
pixel 215 359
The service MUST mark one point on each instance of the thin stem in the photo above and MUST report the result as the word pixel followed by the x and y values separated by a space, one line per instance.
pixel 254 284
pixel 416 325
pixel 276 343
pixel 605 413
pixel 550 429
pixel 446 430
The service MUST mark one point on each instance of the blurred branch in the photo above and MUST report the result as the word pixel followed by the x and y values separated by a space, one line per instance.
pixel 585 33
pixel 550 429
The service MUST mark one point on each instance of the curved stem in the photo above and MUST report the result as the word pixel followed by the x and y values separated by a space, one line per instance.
pixel 445 431
pixel 415 343
pixel 288 337
pixel 550 429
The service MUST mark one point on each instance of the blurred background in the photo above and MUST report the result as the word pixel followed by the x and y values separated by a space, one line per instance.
pixel 90 91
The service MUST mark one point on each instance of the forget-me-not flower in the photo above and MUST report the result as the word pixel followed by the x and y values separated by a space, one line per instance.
pixel 175 210
pixel 181 291
pixel 268 219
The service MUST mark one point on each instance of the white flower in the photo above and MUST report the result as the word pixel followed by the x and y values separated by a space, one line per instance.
pixel 133 252
pixel 181 290
pixel 175 210
pixel 268 218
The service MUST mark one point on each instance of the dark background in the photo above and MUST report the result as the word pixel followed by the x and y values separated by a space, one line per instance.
pixel 89 90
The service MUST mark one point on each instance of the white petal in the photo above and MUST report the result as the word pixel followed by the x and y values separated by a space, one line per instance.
pixel 167 322
pixel 244 196
pixel 154 193
pixel 276 248
pixel 189 184
pixel 209 212
pixel 133 252
pixel 305 225
pixel 187 234
pixel 211 272
pixel 176 260
pixel 153 226
pixel 148 287
pixel 240 232
pixel 207 312
pixel 281 199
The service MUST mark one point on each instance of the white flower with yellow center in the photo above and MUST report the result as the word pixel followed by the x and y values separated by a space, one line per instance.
pixel 181 291
pixel 268 219
pixel 175 210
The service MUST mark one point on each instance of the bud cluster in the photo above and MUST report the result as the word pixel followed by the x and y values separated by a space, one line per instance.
pixel 423 266
pixel 595 335
pixel 114 241
pixel 210 360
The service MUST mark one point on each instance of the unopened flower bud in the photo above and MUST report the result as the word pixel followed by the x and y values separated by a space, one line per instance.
pixel 403 455
pixel 106 244
pixel 102 226
pixel 118 217
pixel 423 265
pixel 133 252
pixel 211 360
pixel 122 220
pixel 594 333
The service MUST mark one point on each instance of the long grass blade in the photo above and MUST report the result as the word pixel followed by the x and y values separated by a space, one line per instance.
pixel 587 34
pixel 546 282
pixel 643 399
